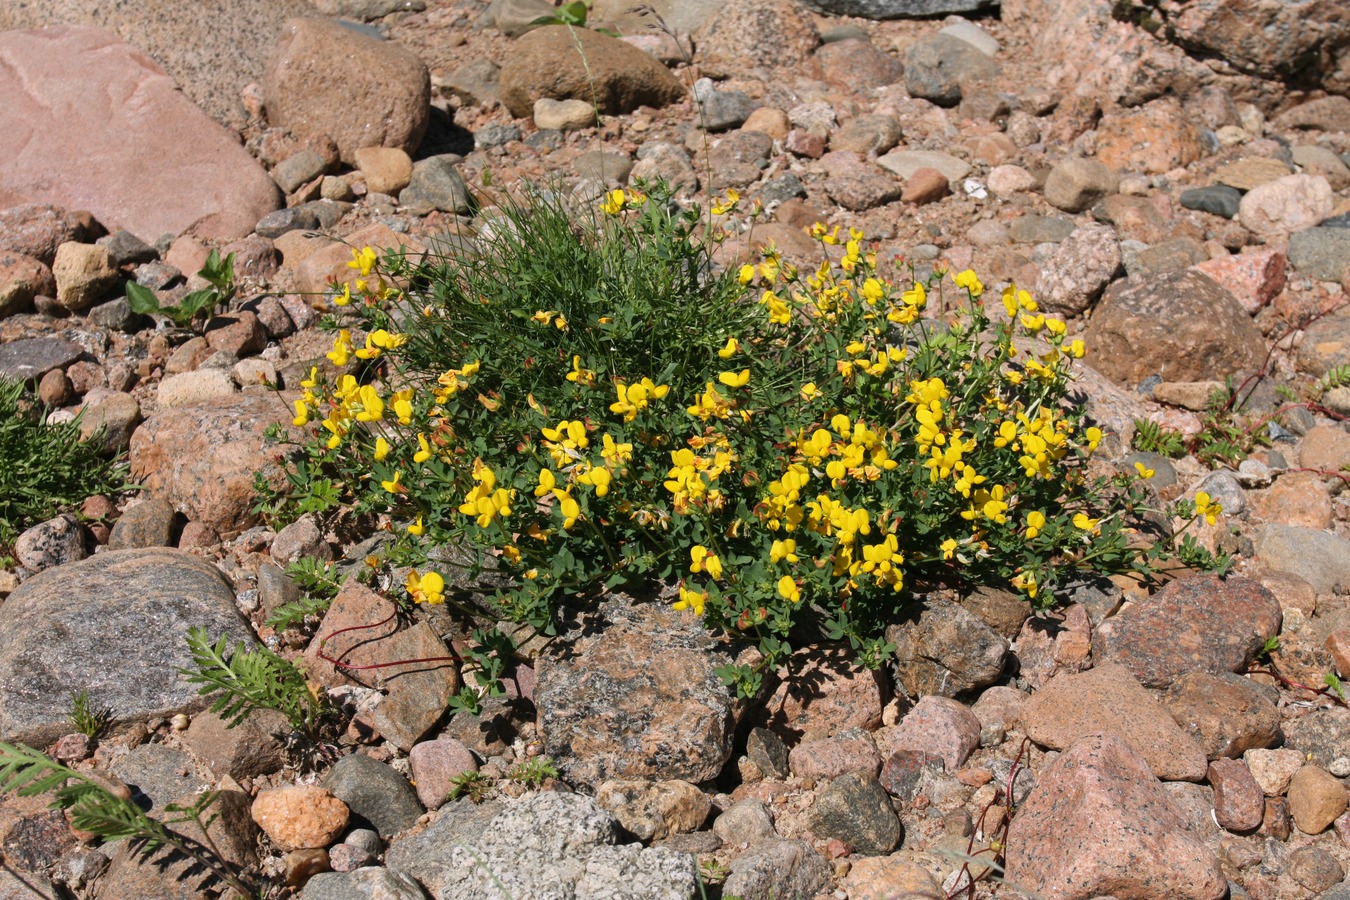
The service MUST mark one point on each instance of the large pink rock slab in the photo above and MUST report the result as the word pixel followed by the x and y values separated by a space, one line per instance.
pixel 1098 823
pixel 90 122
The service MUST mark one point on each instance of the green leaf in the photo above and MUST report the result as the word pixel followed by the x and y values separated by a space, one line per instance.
pixel 141 299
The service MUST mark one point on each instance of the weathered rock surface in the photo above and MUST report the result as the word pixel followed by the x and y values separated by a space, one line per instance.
pixel 616 76
pixel 360 91
pixel 1196 624
pixel 1098 823
pixel 550 842
pixel 1182 326
pixel 114 624
pixel 202 458
pixel 637 698
pixel 184 173
pixel 1108 698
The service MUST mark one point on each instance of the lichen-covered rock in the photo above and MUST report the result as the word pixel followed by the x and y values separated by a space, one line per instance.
pixel 562 845
pixel 635 697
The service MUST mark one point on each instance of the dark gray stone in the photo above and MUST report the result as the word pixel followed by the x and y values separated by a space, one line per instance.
pixel 116 315
pixel 937 67
pixel 31 358
pixel 899 9
pixel 278 222
pixel 784 187
pixel 124 249
pixel 162 774
pixel 546 139
pixel 476 83
pixel 116 625
pixel 766 749
pixel 149 523
pixel 1322 253
pixel 156 275
pixel 374 792
pixel 328 212
pixel 1040 229
pixel 721 110
pixel 1341 221
pixel 856 809
pixel 437 184
pixel 1219 200
pixel 947 651
pixel 298 169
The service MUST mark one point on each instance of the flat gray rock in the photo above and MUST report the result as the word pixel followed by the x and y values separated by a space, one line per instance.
pixel 115 625
pixel 30 359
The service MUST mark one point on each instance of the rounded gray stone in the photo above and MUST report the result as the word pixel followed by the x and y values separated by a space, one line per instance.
pixel 116 625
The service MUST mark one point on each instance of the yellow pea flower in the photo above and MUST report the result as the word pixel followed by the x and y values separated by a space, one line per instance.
pixel 730 349
pixel 735 379
pixel 570 509
pixel 392 485
pixel 342 348
pixel 689 599
pixel 615 201
pixel 1144 471
pixel 363 260
pixel 703 561
pixel 1035 522
pixel 423 454
pixel 345 297
pixel 428 588
pixel 809 391
pixel 301 414
pixel 787 589
pixel 1094 437
pixel 1083 522
pixel 372 407
pixel 746 274
pixel 970 282
pixel 417 528
pixel 381 449
pixel 547 482
pixel 1206 507
pixel 784 550
pixel 722 206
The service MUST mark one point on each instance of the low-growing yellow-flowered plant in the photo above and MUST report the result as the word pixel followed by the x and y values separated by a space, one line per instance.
pixel 592 407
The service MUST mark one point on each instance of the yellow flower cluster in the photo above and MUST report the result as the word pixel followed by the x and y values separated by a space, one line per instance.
pixel 633 398
pixel 486 501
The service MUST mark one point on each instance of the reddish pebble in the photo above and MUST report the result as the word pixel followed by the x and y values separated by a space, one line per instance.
pixel 1239 804
pixel 974 776
pixel 926 185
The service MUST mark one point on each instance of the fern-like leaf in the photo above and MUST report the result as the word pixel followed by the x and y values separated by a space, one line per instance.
pixel 289 615
pixel 249 680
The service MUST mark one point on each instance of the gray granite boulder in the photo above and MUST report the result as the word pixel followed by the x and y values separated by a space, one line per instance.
pixel 115 625
pixel 563 845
